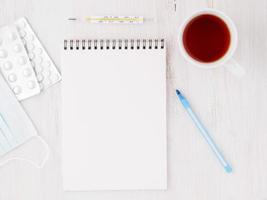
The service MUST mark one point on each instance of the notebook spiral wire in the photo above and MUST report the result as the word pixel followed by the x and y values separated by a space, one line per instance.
pixel 114 44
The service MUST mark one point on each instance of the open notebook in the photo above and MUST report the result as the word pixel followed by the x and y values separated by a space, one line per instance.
pixel 114 115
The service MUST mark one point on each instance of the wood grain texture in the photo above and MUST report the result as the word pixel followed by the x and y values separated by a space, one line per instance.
pixel 234 110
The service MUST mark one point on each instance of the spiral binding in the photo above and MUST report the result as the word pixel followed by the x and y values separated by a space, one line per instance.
pixel 114 44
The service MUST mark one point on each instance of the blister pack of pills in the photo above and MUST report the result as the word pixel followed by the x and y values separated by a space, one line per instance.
pixel 46 71
pixel 15 64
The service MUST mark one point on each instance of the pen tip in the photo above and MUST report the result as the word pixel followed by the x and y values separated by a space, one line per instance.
pixel 178 92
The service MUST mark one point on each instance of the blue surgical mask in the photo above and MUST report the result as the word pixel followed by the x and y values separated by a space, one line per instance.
pixel 16 127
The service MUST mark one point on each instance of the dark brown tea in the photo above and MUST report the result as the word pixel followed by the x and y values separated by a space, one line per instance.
pixel 206 38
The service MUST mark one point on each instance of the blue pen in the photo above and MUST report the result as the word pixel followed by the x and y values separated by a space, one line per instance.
pixel 204 133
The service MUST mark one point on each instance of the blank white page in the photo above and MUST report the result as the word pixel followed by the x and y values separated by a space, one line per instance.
pixel 114 119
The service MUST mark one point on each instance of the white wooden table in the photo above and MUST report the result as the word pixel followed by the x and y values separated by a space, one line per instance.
pixel 234 110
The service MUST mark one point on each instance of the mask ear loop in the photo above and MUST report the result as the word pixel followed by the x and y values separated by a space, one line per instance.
pixel 38 166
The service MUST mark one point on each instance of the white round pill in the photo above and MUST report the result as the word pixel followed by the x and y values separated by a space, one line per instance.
pixel 3 53
pixel 47 81
pixel 40 77
pixel 31 84
pixel 27 72
pixel 22 33
pixel 24 41
pixel 22 24
pixel 39 51
pixel 17 89
pixel 38 60
pixel 33 64
pixel 38 68
pixel 22 60
pixel 12 36
pixel 46 63
pixel 30 37
pixel 31 55
pixel 17 48
pixel 55 77
pixel 30 46
pixel 7 65
pixel 46 73
pixel 12 77
pixel 41 86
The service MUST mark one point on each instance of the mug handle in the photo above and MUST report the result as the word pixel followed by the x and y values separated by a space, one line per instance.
pixel 235 68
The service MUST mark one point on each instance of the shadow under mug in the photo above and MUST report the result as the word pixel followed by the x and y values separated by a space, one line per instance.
pixel 227 59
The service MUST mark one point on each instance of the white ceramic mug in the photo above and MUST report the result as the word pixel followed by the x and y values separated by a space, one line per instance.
pixel 226 60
